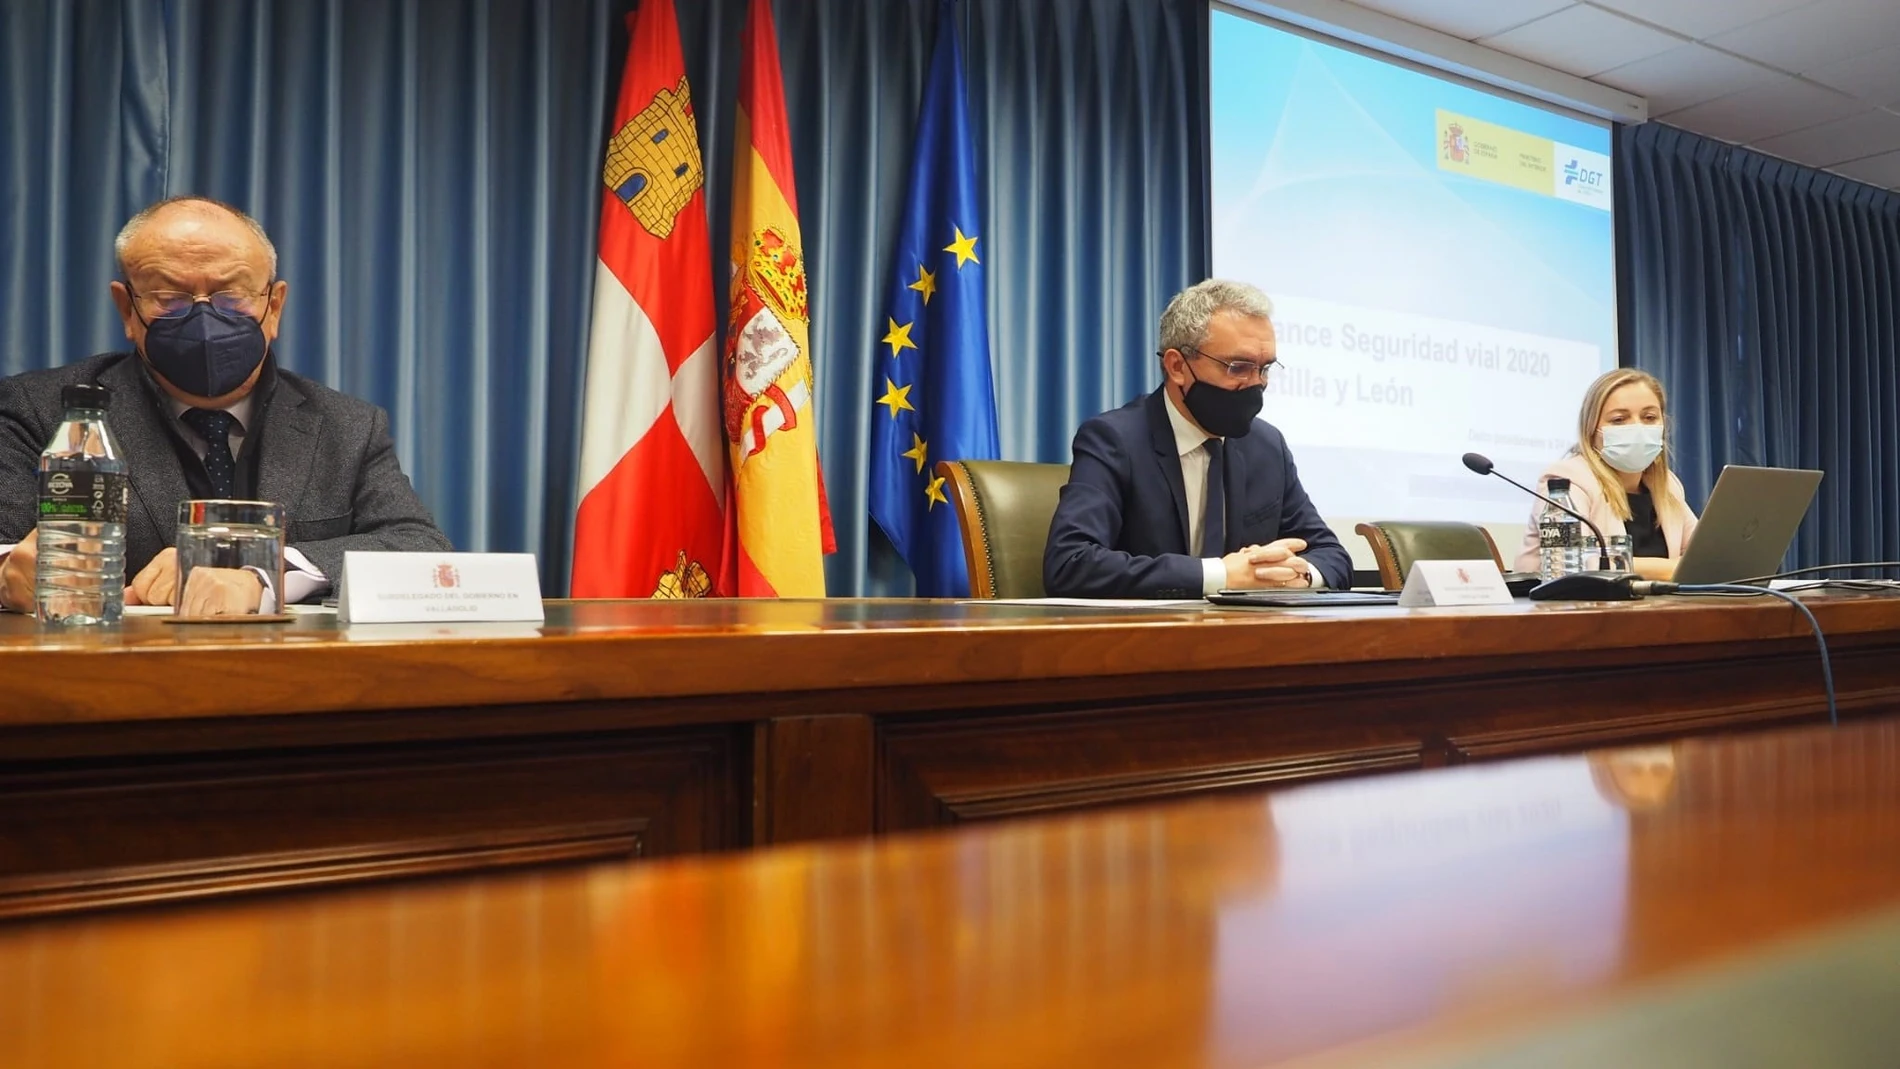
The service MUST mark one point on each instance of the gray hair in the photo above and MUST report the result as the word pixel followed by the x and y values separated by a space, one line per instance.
pixel 131 228
pixel 1184 321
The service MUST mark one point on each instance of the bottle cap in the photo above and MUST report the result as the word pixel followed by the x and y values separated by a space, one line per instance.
pixel 1555 484
pixel 85 395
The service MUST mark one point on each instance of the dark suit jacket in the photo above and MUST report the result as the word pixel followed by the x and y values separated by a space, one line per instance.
pixel 325 456
pixel 1121 528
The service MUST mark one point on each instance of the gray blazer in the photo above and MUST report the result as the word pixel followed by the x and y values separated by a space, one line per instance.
pixel 327 458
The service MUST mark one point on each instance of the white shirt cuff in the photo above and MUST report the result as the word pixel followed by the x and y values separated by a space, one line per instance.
pixel 1213 575
pixel 301 578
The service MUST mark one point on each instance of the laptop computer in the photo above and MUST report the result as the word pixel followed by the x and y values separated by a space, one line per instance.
pixel 1279 598
pixel 1748 525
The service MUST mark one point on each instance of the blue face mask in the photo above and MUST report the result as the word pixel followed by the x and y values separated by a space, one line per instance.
pixel 1632 447
pixel 205 352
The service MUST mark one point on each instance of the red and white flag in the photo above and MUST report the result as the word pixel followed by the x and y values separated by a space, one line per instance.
pixel 651 521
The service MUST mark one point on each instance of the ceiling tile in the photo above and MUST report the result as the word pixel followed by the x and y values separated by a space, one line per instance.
pixel 1882 170
pixel 1583 40
pixel 1868 134
pixel 1469 19
pixel 1777 107
pixel 1701 18
pixel 1685 75
pixel 1816 36
pixel 1871 76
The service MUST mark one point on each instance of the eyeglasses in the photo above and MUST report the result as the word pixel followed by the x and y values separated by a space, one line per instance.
pixel 1243 370
pixel 175 304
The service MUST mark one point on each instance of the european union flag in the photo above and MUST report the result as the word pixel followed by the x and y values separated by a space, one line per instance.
pixel 934 396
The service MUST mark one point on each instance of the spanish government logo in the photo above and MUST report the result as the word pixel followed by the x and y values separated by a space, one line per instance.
pixel 446 577
pixel 1457 145
pixel 653 161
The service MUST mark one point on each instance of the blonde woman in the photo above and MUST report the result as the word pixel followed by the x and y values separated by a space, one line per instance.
pixel 1619 475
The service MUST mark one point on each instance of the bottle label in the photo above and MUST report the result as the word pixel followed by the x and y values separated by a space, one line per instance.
pixel 87 496
pixel 1550 534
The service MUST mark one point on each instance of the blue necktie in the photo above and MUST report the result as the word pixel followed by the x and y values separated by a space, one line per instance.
pixel 215 428
pixel 1214 516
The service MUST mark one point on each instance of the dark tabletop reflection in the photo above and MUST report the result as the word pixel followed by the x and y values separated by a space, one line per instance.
pixel 1228 933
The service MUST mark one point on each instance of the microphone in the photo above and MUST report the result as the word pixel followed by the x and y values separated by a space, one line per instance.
pixel 1481 464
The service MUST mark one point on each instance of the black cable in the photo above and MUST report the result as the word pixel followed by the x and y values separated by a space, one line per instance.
pixel 1820 568
pixel 1736 589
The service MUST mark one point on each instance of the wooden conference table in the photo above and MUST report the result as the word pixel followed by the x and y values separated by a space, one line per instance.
pixel 160 762
pixel 1731 902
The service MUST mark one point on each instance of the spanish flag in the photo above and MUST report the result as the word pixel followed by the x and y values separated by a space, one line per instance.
pixel 651 521
pixel 779 526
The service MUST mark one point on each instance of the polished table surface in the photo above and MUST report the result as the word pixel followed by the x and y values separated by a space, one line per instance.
pixel 595 650
pixel 1360 922
pixel 160 762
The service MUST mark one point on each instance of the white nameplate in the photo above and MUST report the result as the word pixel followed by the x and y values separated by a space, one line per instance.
pixel 413 588
pixel 1454 582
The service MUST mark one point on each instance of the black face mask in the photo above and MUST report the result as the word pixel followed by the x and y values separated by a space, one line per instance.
pixel 205 352
pixel 1228 413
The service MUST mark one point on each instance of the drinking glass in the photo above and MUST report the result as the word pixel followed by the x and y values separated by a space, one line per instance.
pixel 1619 552
pixel 231 536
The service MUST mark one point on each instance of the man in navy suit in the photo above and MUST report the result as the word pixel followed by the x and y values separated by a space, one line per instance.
pixel 1183 492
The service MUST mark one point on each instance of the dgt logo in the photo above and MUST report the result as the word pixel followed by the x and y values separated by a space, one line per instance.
pixel 1576 174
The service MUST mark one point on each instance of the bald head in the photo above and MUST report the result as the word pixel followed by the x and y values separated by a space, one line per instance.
pixel 195 223
pixel 201 249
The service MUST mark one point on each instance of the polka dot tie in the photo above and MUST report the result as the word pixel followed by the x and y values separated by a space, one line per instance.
pixel 215 428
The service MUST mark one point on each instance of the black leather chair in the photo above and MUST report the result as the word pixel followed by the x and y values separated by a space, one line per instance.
pixel 1004 508
pixel 1397 543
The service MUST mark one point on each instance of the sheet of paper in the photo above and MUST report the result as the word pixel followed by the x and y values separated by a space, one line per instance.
pixel 1098 603
pixel 166 610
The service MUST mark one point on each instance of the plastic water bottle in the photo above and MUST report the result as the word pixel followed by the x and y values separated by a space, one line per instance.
pixel 83 500
pixel 1559 535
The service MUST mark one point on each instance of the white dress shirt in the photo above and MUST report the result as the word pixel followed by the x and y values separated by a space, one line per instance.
pixel 1189 441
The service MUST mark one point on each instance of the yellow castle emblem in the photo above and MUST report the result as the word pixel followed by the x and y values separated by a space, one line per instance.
pixel 686 580
pixel 653 162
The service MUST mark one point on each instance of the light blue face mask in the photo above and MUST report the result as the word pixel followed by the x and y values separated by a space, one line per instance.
pixel 1632 447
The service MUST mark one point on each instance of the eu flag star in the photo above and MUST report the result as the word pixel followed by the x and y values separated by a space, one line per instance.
pixel 934 492
pixel 917 451
pixel 898 338
pixel 896 398
pixel 964 247
pixel 926 283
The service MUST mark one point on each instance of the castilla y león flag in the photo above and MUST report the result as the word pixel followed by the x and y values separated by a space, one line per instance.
pixel 780 523
pixel 651 521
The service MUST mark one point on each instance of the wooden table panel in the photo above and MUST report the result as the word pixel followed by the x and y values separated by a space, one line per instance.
pixel 183 827
pixel 1351 923
pixel 159 762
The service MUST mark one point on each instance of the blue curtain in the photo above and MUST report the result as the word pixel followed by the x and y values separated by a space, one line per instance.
pixel 1763 295
pixel 429 173
pixel 426 171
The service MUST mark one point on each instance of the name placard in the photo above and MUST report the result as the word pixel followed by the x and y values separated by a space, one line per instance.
pixel 1454 582
pixel 410 588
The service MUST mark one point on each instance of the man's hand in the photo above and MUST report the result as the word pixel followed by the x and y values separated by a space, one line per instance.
pixel 17 575
pixel 157 582
pixel 221 592
pixel 1276 564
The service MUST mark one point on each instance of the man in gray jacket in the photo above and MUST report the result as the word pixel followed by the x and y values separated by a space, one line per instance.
pixel 201 410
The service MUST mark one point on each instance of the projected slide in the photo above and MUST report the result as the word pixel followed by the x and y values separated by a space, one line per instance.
pixel 1441 263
